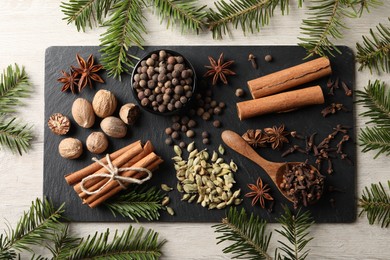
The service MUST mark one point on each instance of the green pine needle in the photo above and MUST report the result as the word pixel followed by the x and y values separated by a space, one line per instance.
pixel 86 12
pixel 187 13
pixel 130 244
pixel 376 98
pixel 375 202
pixel 125 29
pixel 247 236
pixel 375 138
pixel 374 52
pixel 138 203
pixel 14 136
pixel 34 227
pixel 14 84
pixel 295 230
pixel 251 15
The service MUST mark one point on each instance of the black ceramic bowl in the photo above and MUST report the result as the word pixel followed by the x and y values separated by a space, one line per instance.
pixel 136 88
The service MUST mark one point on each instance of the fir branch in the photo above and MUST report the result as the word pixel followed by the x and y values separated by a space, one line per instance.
pixel 187 13
pixel 14 84
pixel 131 244
pixel 374 52
pixel 375 138
pixel 138 203
pixel 86 12
pixel 376 98
pixel 34 227
pixel 295 230
pixel 63 244
pixel 249 14
pixel 14 136
pixel 125 29
pixel 358 6
pixel 248 237
pixel 375 202
pixel 324 22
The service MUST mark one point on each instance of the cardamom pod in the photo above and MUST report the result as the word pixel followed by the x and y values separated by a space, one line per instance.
pixel 166 188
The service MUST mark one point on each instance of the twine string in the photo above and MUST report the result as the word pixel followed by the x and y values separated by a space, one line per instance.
pixel 113 175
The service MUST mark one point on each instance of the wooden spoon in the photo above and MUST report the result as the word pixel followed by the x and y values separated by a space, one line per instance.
pixel 274 170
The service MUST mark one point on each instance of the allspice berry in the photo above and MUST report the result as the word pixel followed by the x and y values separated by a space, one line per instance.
pixel 240 92
pixel 97 142
pixel 82 113
pixel 268 58
pixel 129 113
pixel 104 103
pixel 70 148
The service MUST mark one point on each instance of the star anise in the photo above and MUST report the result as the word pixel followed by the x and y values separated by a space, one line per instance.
pixel 87 70
pixel 69 80
pixel 255 138
pixel 219 69
pixel 259 192
pixel 276 136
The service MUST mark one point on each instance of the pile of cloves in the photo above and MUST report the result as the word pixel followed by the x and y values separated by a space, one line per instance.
pixel 302 184
pixel 324 151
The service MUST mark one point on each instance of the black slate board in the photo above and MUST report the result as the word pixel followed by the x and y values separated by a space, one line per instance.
pixel 151 127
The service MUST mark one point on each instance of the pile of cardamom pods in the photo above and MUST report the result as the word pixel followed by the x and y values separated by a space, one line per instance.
pixel 208 180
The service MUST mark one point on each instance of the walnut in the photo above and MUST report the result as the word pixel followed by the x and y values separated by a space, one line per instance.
pixel 59 124
pixel 97 142
pixel 70 148
pixel 104 103
pixel 114 127
pixel 82 113
pixel 129 113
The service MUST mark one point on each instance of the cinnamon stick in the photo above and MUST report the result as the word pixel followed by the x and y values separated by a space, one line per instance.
pixel 280 102
pixel 144 163
pixel 117 189
pixel 288 78
pixel 96 183
pixel 77 176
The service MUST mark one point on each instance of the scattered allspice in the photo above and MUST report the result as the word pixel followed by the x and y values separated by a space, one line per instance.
pixel 240 92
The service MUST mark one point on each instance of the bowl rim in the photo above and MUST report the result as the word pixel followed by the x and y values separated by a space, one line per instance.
pixel 175 111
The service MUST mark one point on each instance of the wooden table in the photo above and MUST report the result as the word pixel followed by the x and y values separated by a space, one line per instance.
pixel 28 27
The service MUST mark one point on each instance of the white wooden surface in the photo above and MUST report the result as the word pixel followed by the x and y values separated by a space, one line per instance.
pixel 28 27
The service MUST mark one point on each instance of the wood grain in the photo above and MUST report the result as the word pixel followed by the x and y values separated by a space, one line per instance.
pixel 28 27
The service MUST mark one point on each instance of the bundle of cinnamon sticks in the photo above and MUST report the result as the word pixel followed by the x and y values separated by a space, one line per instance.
pixel 134 155
pixel 266 90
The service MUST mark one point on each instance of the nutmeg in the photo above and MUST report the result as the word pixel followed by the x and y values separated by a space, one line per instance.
pixel 104 103
pixel 114 127
pixel 82 113
pixel 97 142
pixel 70 148
pixel 129 113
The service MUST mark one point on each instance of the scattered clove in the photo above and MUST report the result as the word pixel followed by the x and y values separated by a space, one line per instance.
pixel 252 59
pixel 332 109
pixel 347 91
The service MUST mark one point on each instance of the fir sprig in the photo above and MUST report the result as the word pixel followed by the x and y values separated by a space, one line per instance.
pixel 295 230
pixel 130 244
pixel 14 135
pixel 374 52
pixel 375 203
pixel 33 228
pixel 186 13
pixel 86 12
pixel 251 15
pixel 124 30
pixel 248 236
pixel 63 243
pixel 138 203
pixel 14 85
pixel 376 99
pixel 325 23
